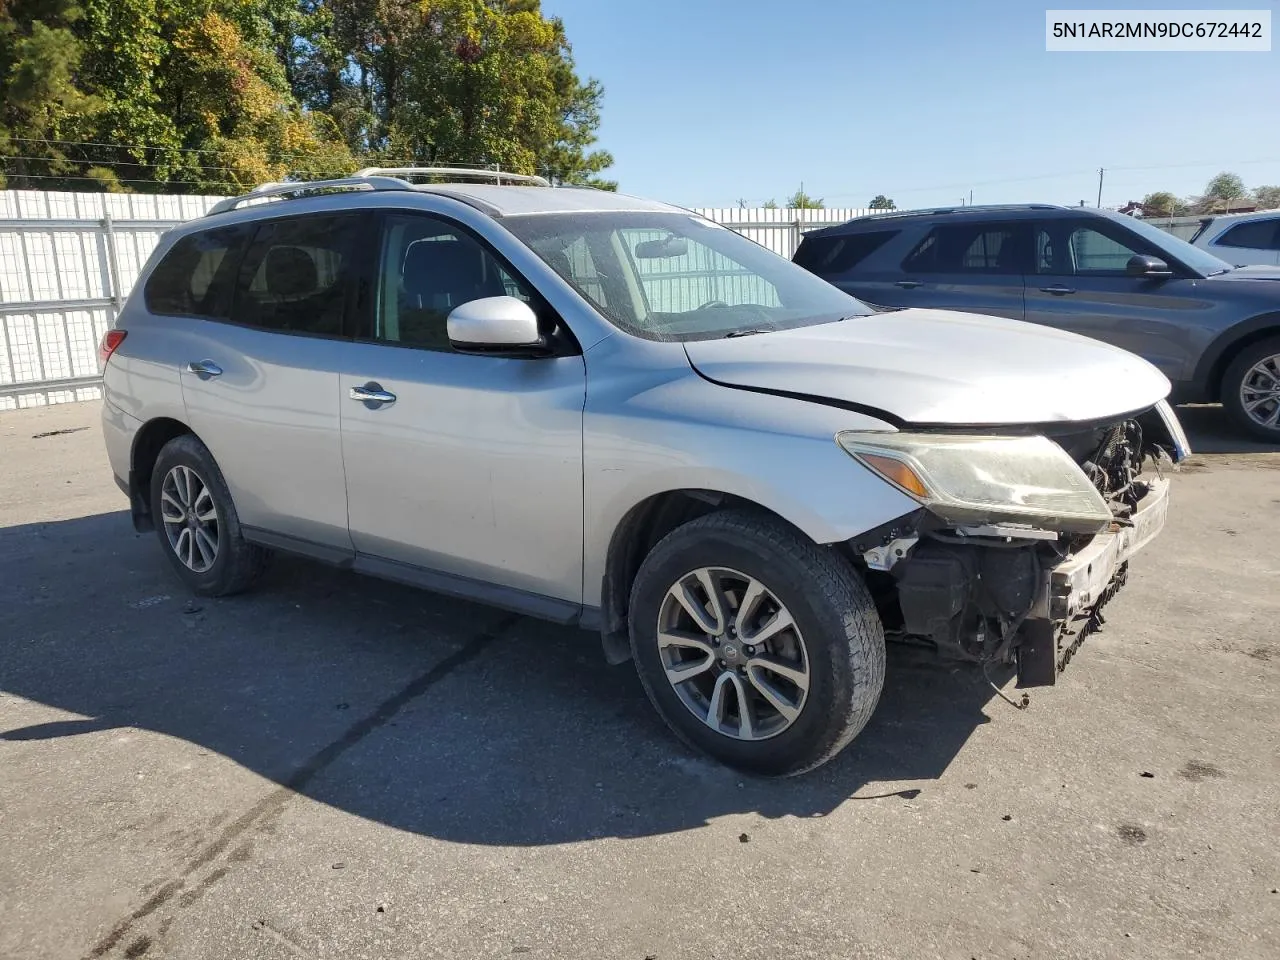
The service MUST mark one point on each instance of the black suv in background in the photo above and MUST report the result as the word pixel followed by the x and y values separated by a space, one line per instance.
pixel 1213 329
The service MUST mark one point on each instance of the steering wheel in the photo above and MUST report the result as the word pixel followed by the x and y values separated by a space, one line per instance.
pixel 713 303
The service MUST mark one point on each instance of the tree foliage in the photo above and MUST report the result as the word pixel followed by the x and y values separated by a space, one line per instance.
pixel 218 95
pixel 1160 203
pixel 802 201
pixel 1266 198
pixel 881 202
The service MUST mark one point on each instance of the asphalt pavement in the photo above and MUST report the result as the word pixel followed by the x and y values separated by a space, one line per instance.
pixel 332 766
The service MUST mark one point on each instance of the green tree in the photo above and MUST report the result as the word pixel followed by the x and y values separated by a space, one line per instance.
pixel 1221 193
pixel 1266 198
pixel 1160 203
pixel 491 83
pixel 802 201
pixel 41 106
pixel 217 95
pixel 770 205
pixel 881 202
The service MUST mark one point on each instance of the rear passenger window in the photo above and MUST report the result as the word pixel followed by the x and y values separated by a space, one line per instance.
pixel 968 248
pixel 1259 235
pixel 831 255
pixel 197 277
pixel 298 273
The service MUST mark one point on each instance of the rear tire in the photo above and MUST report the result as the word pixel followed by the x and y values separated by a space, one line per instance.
pixel 1252 377
pixel 197 523
pixel 806 690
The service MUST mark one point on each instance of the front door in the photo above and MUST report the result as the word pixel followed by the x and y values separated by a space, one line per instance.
pixel 1079 284
pixel 261 389
pixel 467 465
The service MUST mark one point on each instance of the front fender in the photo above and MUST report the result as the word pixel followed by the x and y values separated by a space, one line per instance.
pixel 1213 361
pixel 642 438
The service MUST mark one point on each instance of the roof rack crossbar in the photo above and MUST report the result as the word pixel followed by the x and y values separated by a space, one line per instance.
pixel 357 182
pixel 498 176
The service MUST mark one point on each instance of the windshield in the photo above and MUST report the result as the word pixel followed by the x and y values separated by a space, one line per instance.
pixel 1198 260
pixel 676 276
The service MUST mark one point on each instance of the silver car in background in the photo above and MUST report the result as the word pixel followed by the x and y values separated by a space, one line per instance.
pixel 612 413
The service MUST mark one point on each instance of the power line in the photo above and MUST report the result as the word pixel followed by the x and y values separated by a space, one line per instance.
pixel 135 146
pixel 163 183
pixel 1056 176
pixel 186 166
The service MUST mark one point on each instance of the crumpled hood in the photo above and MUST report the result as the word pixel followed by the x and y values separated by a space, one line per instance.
pixel 939 367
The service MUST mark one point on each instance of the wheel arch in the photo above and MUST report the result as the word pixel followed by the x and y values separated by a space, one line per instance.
pixel 636 535
pixel 147 444
pixel 1229 344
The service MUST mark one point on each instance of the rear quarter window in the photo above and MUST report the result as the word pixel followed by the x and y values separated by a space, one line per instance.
pixel 196 278
pixel 1257 234
pixel 840 254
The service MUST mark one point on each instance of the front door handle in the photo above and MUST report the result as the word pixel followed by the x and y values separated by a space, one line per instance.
pixel 204 369
pixel 1058 290
pixel 908 284
pixel 372 394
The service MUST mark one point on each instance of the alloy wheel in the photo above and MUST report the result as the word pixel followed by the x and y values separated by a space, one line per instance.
pixel 733 653
pixel 1260 392
pixel 190 518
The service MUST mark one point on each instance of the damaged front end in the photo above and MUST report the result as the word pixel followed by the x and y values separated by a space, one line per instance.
pixel 1022 581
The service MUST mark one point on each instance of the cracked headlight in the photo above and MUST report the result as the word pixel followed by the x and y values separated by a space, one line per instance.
pixel 985 479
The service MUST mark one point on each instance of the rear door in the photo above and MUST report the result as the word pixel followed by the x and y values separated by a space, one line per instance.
pixel 261 388
pixel 974 267
pixel 472 465
pixel 1079 283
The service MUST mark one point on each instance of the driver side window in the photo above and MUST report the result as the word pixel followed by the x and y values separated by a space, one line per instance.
pixel 1080 250
pixel 428 268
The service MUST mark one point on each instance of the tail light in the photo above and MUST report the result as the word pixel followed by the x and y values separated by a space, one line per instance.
pixel 110 340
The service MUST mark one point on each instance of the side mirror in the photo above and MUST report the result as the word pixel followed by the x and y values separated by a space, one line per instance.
pixel 495 325
pixel 1141 265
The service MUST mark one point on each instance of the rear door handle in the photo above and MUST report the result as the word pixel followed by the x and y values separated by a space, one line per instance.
pixel 372 393
pixel 204 369
pixel 908 284
pixel 1058 290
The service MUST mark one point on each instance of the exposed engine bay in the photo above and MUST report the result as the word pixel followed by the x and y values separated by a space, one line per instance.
pixel 1010 593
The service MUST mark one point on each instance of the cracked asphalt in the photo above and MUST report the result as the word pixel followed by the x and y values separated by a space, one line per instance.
pixel 332 766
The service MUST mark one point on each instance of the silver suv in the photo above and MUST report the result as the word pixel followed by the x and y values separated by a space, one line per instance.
pixel 615 414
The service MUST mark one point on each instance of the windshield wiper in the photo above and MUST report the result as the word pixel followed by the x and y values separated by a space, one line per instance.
pixel 747 333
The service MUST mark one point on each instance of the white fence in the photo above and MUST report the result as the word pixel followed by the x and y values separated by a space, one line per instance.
pixel 67 260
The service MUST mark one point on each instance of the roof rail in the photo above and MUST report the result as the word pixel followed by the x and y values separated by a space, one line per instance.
pixel 463 172
pixel 357 182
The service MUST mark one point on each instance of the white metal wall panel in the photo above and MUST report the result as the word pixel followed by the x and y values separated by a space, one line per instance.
pixel 58 295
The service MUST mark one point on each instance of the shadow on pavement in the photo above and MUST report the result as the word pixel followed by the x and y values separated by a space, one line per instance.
pixel 1210 430
pixel 426 714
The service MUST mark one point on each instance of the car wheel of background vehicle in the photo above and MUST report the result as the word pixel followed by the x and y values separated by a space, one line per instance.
pixel 1251 390
pixel 754 644
pixel 197 521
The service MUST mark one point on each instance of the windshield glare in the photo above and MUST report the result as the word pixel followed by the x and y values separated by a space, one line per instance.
pixel 1198 260
pixel 672 276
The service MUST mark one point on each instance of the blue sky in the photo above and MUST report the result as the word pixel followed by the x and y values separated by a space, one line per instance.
pixel 710 101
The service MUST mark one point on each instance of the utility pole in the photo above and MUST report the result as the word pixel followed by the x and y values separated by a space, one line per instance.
pixel 1100 173
pixel 971 198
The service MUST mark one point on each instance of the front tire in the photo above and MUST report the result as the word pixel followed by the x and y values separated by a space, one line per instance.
pixel 754 644
pixel 1251 390
pixel 197 522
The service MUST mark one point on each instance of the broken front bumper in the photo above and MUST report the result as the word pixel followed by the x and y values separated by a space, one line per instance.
pixel 1069 606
